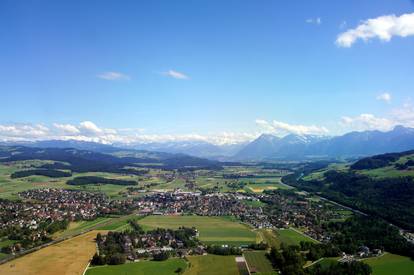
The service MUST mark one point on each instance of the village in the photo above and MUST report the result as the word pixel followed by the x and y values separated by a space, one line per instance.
pixel 273 210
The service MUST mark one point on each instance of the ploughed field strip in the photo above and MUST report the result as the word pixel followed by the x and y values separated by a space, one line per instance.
pixel 258 262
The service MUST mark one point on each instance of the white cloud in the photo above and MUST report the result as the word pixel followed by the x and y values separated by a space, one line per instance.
pixel 316 21
pixel 282 128
pixel 384 97
pixel 23 131
pixel 89 131
pixel 404 115
pixel 383 28
pixel 89 127
pixel 176 75
pixel 364 122
pixel 113 76
pixel 400 116
pixel 67 128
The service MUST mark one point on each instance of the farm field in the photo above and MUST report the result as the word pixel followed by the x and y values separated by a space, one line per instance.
pixel 391 264
pixel 260 187
pixel 212 264
pixel 258 262
pixel 119 224
pixel 212 229
pixel 292 237
pixel 140 268
pixel 69 257
pixel 81 226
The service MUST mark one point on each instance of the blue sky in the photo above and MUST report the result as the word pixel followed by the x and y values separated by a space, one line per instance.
pixel 176 68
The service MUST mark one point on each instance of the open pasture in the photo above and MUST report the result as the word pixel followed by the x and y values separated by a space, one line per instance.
pixel 140 268
pixel 213 230
pixel 292 237
pixel 391 264
pixel 212 264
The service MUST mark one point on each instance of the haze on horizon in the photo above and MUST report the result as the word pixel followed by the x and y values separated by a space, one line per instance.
pixel 217 71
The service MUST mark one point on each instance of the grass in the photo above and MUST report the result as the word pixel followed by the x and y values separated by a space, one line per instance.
pixel 292 237
pixel 254 203
pixel 213 230
pixel 3 243
pixel 326 262
pixel 119 224
pixel 258 262
pixel 140 268
pixel 67 257
pixel 391 264
pixel 269 236
pixel 212 264
pixel 387 172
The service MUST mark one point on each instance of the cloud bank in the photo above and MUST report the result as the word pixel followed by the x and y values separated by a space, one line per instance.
pixel 282 128
pixel 89 131
pixel 401 116
pixel 383 28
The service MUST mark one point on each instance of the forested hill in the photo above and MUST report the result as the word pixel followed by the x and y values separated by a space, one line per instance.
pixel 90 161
pixel 401 161
pixel 381 185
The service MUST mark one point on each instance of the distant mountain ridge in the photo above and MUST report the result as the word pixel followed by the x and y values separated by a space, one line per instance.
pixel 91 154
pixel 194 148
pixel 265 147
pixel 352 144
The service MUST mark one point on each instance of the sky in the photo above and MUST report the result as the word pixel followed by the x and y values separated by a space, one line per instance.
pixel 219 71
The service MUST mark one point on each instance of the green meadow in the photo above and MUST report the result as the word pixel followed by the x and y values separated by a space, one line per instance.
pixel 213 230
pixel 212 264
pixel 292 237
pixel 391 264
pixel 140 268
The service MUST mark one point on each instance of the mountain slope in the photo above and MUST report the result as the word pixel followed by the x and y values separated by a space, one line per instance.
pixel 264 146
pixel 87 160
pixel 381 185
pixel 193 148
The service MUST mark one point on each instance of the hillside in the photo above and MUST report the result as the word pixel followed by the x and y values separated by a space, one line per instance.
pixel 116 162
pixel 381 185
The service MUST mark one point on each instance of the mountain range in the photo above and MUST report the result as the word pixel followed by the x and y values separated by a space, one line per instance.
pixel 353 144
pixel 265 147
